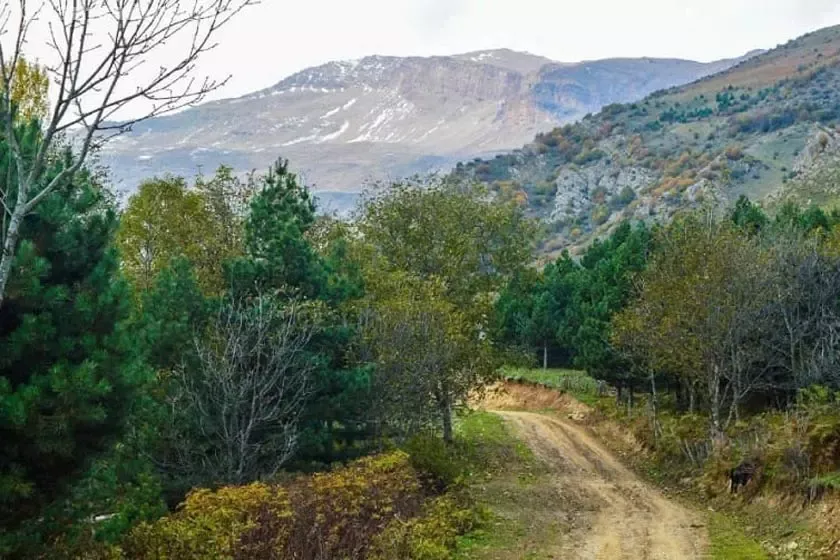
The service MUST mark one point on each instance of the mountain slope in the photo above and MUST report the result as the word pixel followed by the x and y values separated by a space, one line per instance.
pixel 766 128
pixel 343 123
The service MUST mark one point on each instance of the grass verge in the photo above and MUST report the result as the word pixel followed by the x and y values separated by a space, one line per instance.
pixel 511 489
pixel 729 542
pixel 574 382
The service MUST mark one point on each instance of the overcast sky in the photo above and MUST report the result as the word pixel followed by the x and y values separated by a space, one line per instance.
pixel 278 37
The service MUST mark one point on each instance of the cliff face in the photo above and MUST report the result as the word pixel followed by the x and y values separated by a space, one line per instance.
pixel 345 123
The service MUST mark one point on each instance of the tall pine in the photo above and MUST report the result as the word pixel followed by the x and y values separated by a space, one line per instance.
pixel 68 372
pixel 281 258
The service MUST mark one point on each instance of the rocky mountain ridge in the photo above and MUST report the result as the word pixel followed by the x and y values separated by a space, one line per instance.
pixel 767 128
pixel 345 123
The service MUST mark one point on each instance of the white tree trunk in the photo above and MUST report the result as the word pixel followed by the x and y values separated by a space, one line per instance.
pixel 92 84
pixel 9 248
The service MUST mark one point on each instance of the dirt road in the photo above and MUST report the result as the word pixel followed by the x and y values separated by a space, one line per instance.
pixel 616 515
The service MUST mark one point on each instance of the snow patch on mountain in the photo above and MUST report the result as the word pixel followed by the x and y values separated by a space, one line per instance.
pixel 481 57
pixel 300 140
pixel 330 113
pixel 335 134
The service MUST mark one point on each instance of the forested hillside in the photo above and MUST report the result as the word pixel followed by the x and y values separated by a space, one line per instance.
pixel 765 128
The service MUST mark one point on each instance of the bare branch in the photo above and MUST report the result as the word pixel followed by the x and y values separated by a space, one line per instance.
pixel 101 48
pixel 248 393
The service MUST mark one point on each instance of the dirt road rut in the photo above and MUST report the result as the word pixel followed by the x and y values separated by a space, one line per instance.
pixel 617 515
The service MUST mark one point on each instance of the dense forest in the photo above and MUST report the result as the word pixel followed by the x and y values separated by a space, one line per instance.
pixel 720 312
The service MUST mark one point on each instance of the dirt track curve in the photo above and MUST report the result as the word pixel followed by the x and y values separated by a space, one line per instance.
pixel 620 516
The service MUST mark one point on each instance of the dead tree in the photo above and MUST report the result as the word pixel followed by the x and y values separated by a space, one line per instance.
pixel 245 398
pixel 100 48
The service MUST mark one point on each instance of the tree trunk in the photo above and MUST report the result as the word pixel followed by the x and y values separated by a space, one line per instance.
pixel 653 406
pixel 691 398
pixel 446 412
pixel 545 355
pixel 733 410
pixel 8 252
pixel 715 404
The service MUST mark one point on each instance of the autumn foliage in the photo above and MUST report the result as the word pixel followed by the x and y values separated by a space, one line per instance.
pixel 374 507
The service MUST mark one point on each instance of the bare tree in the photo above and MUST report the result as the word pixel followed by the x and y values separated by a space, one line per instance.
pixel 101 47
pixel 246 396
pixel 802 337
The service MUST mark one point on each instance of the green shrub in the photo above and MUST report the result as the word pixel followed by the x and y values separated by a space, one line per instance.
pixel 600 214
pixel 623 198
pixel 438 462
pixel 684 437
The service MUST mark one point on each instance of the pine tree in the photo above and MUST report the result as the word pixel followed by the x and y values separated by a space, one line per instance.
pixel 69 374
pixel 280 257
pixel 279 254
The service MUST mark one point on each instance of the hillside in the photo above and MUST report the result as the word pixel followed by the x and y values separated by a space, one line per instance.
pixel 344 123
pixel 766 128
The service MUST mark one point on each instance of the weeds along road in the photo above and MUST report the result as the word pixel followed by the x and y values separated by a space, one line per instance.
pixel 618 516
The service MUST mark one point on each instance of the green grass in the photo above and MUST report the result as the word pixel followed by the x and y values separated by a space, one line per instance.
pixel 575 382
pixel 515 501
pixel 489 442
pixel 728 541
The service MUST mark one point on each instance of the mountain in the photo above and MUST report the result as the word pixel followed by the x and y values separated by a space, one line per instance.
pixel 344 123
pixel 766 128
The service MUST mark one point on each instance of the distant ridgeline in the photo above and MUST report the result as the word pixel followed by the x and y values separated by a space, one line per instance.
pixel 767 128
pixel 345 124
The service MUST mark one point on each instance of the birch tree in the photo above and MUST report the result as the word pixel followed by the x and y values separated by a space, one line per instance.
pixel 102 50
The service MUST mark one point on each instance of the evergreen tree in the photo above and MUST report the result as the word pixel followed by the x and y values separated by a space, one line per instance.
pixel 278 253
pixel 604 288
pixel 69 370
pixel 531 311
pixel 515 309
pixel 281 257
pixel 748 216
pixel 171 313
